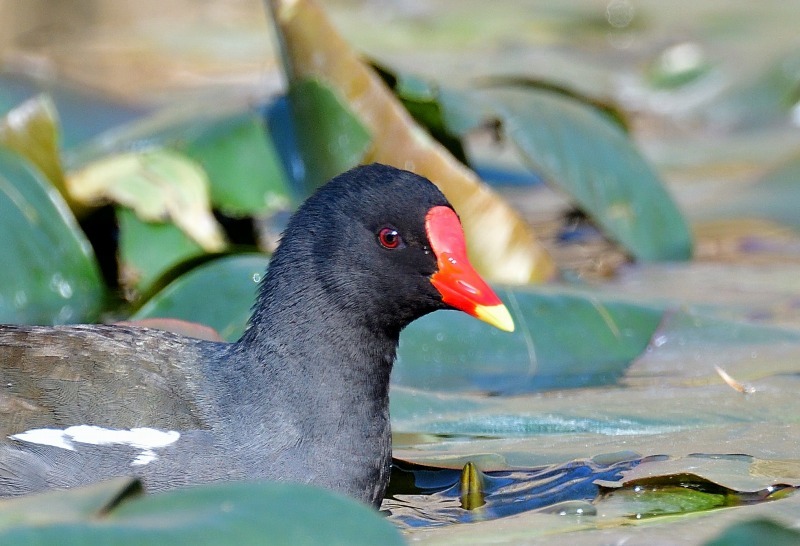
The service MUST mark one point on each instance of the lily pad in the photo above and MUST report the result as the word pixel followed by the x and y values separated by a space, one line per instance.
pixel 232 513
pixel 50 273
pixel 148 250
pixel 584 153
pixel 218 294
pixel 330 138
pixel 451 351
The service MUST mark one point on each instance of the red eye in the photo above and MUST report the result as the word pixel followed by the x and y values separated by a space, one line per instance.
pixel 389 238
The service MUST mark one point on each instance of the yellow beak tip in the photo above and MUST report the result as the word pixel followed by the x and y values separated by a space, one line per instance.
pixel 496 315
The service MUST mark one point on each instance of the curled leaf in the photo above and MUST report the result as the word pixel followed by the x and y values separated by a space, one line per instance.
pixel 158 185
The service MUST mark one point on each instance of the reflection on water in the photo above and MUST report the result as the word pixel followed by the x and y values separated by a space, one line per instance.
pixel 425 496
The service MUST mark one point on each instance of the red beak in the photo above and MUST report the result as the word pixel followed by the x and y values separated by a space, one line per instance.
pixel 456 280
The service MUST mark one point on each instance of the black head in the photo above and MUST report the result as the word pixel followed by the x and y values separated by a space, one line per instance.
pixel 360 249
pixel 369 251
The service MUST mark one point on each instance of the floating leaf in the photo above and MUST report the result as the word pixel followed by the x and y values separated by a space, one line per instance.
pixel 452 351
pixel 231 513
pixel 502 246
pixel 158 185
pixel 242 165
pixel 218 294
pixel 580 151
pixel 50 274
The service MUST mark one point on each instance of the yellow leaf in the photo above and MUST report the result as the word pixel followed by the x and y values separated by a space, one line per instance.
pixel 31 130
pixel 158 185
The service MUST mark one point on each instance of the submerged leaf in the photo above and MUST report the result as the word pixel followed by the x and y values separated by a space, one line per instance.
pixel 49 274
pixel 502 246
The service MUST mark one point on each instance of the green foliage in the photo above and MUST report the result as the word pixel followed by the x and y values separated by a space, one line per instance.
pixel 147 250
pixel 218 294
pixel 49 272
pixel 116 512
pixel 579 150
pixel 451 351
pixel 330 138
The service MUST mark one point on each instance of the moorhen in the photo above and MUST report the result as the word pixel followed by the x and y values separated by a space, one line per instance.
pixel 302 396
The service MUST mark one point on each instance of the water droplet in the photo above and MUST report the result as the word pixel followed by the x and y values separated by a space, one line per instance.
pixel 256 277
pixel 20 299
pixel 619 13
pixel 440 337
pixel 60 285
pixel 658 341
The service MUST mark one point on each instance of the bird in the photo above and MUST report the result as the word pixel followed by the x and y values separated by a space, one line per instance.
pixel 302 396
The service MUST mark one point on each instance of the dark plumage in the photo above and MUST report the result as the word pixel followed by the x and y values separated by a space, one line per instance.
pixel 302 396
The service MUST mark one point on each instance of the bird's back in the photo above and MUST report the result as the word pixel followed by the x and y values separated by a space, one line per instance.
pixel 98 375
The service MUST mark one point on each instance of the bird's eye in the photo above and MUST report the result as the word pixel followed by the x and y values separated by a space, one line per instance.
pixel 389 238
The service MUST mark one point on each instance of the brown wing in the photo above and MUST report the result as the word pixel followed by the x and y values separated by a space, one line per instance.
pixel 111 376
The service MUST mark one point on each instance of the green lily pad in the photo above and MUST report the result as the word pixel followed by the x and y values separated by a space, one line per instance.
pixel 147 250
pixel 232 513
pixel 581 151
pixel 452 351
pixel 330 137
pixel 218 294
pixel 50 273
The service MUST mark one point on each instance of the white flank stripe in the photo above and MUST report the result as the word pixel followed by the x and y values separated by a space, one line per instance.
pixel 145 439
pixel 45 437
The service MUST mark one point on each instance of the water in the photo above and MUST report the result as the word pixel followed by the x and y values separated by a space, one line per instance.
pixel 422 496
